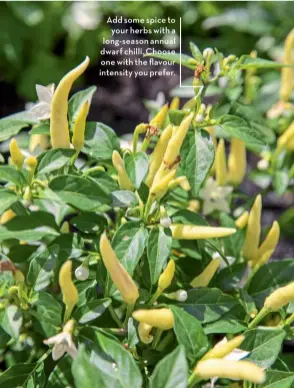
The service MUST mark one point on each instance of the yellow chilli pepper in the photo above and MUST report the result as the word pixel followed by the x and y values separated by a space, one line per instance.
pixel 32 162
pixel 123 179
pixel 175 103
pixel 268 246
pixel 166 277
pixel 286 140
pixel 251 243
pixel 237 161
pixel 59 130
pixel 221 350
pixel 158 120
pixel 181 181
pixel 69 291
pixel 241 370
pixel 144 331
pixel 176 141
pixel 279 298
pixel 221 174
pixel 242 221
pixel 198 232
pixel 38 140
pixel 17 157
pixel 80 126
pixel 161 318
pixel 288 72
pixel 158 153
pixel 205 277
pixel 7 216
pixel 120 277
pixel 158 189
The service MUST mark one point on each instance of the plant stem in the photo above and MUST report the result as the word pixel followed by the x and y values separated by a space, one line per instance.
pixel 147 208
pixel 165 342
pixel 130 308
pixel 262 313
pixel 115 317
pixel 156 338
pixel 289 320
pixel 155 296
pixel 193 379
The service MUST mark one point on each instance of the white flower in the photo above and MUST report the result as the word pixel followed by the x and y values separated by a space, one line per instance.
pixel 82 273
pixel 86 14
pixel 42 109
pixel 63 342
pixel 235 355
pixel 262 164
pixel 215 197
pixel 165 222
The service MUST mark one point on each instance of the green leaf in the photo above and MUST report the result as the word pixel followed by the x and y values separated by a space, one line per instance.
pixel 197 54
pixel 129 243
pixel 10 174
pixel 264 345
pixel 228 279
pixel 248 62
pixel 132 334
pixel 100 141
pixel 41 129
pixel 16 375
pixel 278 379
pixel 190 334
pixel 10 127
pixel 7 199
pixel 89 223
pixel 158 251
pixel 11 321
pixel 176 116
pixel 269 277
pixel 42 266
pixel 48 314
pixel 208 304
pixel 77 100
pixel 31 227
pixel 53 160
pixel 136 167
pixel 184 60
pixel 281 181
pixel 240 128
pixel 171 371
pixel 197 155
pixel 124 198
pixel 91 310
pixel 81 193
pixel 61 375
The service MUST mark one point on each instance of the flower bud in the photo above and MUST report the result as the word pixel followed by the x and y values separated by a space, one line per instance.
pixel 220 164
pixel 207 53
pixel 120 277
pixel 166 277
pixel 240 370
pixel 144 331
pixel 17 157
pixel 161 318
pixel 68 289
pixel 280 298
pixel 59 130
pixel 123 179
pixel 165 222
pixel 205 277
pixel 251 243
pixel 242 221
pixel 82 272
pixel 180 295
pixel 221 350
pixel 198 232
pixel 237 161
pixel 80 126
pixel 262 164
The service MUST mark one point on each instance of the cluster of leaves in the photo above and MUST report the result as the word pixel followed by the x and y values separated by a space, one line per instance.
pixel 72 201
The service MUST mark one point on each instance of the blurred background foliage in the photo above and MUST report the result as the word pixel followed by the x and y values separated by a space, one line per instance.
pixel 41 41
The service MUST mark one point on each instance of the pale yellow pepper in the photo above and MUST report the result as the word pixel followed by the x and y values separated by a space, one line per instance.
pixel 59 130
pixel 279 298
pixel 69 291
pixel 123 179
pixel 78 138
pixel 198 232
pixel 166 277
pixel 221 173
pixel 221 350
pixel 7 216
pixel 144 331
pixel 205 277
pixel 252 238
pixel 17 157
pixel 161 318
pixel 175 103
pixel 268 246
pixel 288 72
pixel 237 161
pixel 120 277
pixel 242 221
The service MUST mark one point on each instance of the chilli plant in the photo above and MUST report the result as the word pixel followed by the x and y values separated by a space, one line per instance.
pixel 141 264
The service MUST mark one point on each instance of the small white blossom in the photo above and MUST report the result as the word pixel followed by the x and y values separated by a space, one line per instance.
pixel 165 222
pixel 42 109
pixel 262 164
pixel 215 197
pixel 181 295
pixel 63 342
pixel 82 272
pixel 235 355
